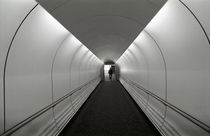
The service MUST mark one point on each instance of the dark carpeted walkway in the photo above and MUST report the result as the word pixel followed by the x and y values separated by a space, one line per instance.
pixel 109 111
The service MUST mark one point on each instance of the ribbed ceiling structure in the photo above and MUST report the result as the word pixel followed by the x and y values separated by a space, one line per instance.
pixel 106 27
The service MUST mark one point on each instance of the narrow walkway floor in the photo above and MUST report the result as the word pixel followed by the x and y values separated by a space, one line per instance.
pixel 110 111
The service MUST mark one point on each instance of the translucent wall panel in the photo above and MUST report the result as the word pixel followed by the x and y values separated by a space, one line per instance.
pixel 86 74
pixel 28 73
pixel 12 13
pixel 42 125
pixel 74 71
pixel 84 69
pixel 144 45
pixel 62 65
pixel 143 64
pixel 176 48
pixel 38 70
pixel 201 10
pixel 182 126
pixel 81 67
pixel 187 54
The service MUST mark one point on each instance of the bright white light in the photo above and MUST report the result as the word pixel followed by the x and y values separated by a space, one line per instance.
pixel 107 67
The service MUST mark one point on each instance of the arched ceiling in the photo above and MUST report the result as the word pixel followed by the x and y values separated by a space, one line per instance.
pixel 106 27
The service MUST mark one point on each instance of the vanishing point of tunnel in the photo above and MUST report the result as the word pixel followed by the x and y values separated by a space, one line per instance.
pixel 104 67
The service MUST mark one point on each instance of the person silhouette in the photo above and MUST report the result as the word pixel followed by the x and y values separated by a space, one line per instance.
pixel 110 73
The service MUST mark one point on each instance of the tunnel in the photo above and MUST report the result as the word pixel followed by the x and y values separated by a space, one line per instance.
pixel 56 54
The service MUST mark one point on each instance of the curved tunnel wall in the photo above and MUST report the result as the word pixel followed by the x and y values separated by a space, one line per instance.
pixel 46 73
pixel 166 69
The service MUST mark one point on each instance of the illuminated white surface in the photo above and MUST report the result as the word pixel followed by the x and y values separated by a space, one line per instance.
pixel 74 70
pixel 38 126
pixel 201 10
pixel 106 67
pixel 12 13
pixel 28 75
pixel 41 43
pixel 61 67
pixel 187 54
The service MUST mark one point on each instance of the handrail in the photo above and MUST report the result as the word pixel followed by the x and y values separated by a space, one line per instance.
pixel 40 112
pixel 174 108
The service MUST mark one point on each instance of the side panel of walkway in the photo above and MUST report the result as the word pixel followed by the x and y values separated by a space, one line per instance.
pixel 110 111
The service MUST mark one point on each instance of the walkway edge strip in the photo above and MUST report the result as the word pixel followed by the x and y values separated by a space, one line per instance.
pixel 174 108
pixel 37 114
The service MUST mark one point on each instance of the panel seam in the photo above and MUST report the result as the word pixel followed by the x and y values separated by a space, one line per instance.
pixel 206 35
pixel 70 69
pixel 166 74
pixel 52 68
pixel 6 60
